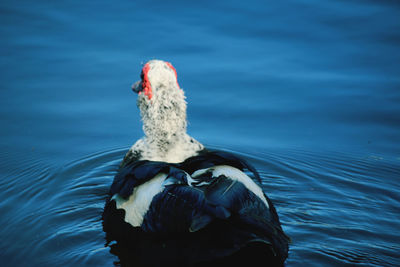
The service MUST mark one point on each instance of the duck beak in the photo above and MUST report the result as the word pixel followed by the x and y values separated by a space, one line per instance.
pixel 137 87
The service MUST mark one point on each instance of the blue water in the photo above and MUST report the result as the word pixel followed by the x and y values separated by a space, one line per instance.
pixel 308 91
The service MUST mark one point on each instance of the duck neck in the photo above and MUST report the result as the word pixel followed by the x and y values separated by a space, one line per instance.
pixel 165 130
pixel 175 149
pixel 164 125
pixel 161 145
pixel 162 141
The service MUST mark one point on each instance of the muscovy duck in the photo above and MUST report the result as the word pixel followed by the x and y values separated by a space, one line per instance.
pixel 175 202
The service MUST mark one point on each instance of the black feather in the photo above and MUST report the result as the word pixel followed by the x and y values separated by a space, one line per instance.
pixel 172 210
pixel 139 172
pixel 207 159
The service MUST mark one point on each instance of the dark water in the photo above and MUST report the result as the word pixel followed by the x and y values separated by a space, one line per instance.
pixel 309 91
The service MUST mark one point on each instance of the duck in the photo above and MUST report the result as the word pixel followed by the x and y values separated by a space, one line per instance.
pixel 175 202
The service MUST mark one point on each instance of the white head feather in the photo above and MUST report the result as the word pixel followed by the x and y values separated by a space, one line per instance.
pixel 163 110
pixel 163 107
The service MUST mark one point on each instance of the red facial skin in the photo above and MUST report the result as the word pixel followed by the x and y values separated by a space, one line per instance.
pixel 146 83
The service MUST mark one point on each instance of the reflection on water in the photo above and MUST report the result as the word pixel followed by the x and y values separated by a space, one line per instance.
pixel 306 90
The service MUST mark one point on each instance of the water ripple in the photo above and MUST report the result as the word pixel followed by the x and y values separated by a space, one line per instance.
pixel 328 204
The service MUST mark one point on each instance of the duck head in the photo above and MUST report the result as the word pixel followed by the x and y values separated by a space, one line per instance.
pixel 161 102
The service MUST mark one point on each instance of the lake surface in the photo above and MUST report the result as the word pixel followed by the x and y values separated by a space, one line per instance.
pixel 307 91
